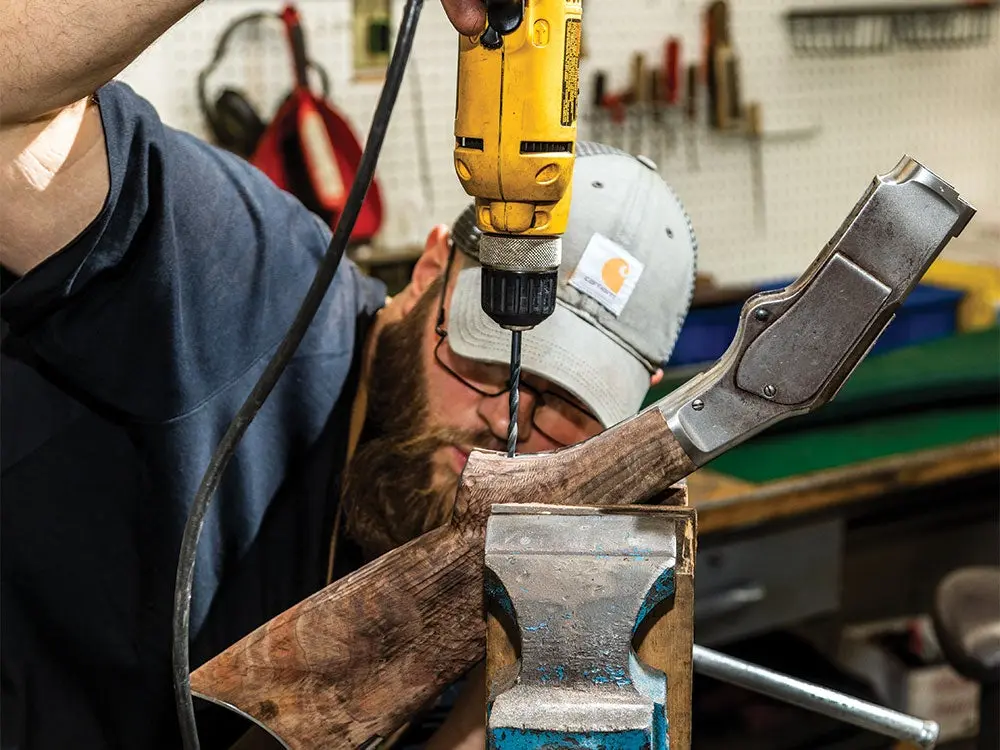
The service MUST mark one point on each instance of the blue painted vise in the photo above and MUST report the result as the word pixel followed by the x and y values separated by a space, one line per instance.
pixel 573 584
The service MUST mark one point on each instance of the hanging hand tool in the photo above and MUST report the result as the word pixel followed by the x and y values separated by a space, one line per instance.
pixel 657 114
pixel 755 136
pixel 672 71
pixel 691 116
pixel 515 136
pixel 793 350
pixel 711 30
pixel 722 66
pixel 638 104
pixel 671 83
pixel 599 105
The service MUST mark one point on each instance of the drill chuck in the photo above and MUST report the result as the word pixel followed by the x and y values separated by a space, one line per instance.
pixel 519 279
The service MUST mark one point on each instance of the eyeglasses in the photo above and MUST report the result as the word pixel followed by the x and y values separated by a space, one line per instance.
pixel 555 416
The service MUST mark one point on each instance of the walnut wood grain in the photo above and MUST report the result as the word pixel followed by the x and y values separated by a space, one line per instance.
pixel 626 465
pixel 358 658
pixel 354 660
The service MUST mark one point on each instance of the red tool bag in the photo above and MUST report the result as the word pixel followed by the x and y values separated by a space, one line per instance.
pixel 311 151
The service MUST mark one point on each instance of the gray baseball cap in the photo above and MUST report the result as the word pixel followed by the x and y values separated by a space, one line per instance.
pixel 625 285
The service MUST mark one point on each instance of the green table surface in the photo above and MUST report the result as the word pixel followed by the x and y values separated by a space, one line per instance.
pixel 940 393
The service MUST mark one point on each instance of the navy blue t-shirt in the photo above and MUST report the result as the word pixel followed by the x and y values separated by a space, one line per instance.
pixel 126 356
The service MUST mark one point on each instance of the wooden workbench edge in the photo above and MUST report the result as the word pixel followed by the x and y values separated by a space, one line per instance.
pixel 844 485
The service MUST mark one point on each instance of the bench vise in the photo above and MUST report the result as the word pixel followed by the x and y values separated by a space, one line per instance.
pixel 575 584
pixel 571 587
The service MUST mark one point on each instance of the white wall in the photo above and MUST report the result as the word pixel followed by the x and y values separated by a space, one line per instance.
pixel 854 117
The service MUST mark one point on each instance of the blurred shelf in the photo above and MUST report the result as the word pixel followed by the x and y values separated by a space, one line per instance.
pixel 871 29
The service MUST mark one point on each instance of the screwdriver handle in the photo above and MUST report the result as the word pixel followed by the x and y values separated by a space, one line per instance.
pixel 639 80
pixel 754 121
pixel 600 88
pixel 671 71
pixel 654 87
pixel 691 98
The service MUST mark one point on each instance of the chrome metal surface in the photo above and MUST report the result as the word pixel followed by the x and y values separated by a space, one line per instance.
pixel 806 339
pixel 576 583
pixel 520 253
pixel 822 700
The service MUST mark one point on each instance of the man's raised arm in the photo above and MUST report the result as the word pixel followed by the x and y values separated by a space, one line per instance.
pixel 58 53
pixel 53 161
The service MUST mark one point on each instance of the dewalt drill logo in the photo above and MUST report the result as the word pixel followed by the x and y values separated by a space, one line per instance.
pixel 571 72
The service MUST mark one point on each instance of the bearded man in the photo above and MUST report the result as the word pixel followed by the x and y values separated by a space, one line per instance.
pixel 147 279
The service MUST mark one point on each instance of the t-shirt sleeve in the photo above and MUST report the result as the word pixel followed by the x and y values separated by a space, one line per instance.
pixel 190 274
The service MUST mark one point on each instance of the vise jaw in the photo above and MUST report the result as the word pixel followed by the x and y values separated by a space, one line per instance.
pixel 571 586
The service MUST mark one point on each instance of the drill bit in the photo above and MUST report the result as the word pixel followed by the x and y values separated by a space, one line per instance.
pixel 515 385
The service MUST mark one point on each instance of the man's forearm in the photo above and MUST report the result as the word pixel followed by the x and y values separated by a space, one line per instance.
pixel 56 53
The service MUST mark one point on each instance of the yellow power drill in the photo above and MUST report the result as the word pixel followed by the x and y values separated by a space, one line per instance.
pixel 515 144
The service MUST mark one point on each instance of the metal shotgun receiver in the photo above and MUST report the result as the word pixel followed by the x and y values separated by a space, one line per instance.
pixel 796 347
pixel 353 662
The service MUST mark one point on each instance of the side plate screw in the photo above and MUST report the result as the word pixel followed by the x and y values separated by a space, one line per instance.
pixel 769 391
pixel 697 404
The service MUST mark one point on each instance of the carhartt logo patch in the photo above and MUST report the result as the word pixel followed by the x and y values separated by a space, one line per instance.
pixel 607 272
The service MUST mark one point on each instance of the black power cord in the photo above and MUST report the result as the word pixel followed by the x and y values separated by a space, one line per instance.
pixel 293 337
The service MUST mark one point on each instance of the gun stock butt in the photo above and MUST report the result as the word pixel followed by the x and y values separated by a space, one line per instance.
pixel 354 661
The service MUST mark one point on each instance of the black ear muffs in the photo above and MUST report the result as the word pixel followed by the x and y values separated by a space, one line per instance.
pixel 234 123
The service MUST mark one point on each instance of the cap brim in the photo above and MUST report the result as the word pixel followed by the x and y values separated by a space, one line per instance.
pixel 564 349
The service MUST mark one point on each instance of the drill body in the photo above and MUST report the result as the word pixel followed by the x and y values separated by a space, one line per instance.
pixel 515 140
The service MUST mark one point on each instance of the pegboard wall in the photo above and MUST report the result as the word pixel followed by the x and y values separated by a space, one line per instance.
pixel 830 123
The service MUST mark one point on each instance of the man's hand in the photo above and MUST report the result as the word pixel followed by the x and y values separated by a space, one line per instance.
pixel 467 16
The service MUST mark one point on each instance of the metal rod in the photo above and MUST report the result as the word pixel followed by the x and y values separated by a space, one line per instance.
pixel 515 386
pixel 815 698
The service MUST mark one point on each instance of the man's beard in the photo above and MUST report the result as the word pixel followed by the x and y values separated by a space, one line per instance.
pixel 388 493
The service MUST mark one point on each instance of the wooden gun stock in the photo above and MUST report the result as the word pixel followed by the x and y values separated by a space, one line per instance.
pixel 356 660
